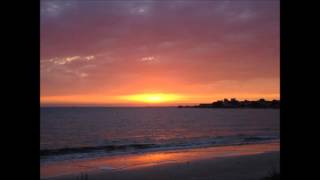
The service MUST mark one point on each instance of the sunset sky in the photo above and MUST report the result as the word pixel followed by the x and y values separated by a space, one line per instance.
pixel 158 52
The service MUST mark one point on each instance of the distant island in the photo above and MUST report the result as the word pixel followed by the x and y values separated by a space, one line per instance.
pixel 234 103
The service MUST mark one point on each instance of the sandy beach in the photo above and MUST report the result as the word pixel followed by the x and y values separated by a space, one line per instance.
pixel 249 162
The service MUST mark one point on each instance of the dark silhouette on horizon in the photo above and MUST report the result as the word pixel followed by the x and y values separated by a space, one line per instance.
pixel 234 103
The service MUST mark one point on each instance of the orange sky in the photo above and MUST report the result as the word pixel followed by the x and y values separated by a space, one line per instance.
pixel 158 53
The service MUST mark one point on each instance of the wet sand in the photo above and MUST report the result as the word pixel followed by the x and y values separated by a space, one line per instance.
pixel 225 162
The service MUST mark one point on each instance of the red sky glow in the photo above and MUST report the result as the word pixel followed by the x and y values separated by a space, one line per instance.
pixel 158 52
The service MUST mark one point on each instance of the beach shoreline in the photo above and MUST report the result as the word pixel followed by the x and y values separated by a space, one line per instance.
pixel 205 163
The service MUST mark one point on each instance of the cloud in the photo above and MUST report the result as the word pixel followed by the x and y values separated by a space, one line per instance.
pixel 68 60
pixel 51 8
pixel 242 16
pixel 192 41
pixel 141 8
pixel 89 58
pixel 149 59
pixel 237 12
pixel 83 74
pixel 59 66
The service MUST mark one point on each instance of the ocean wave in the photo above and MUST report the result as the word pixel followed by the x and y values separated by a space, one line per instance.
pixel 107 148
pixel 48 155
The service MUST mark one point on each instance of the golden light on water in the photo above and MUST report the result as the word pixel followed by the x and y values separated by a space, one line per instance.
pixel 155 158
pixel 152 98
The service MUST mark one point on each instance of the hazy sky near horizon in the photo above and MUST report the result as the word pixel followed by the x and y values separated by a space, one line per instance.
pixel 104 52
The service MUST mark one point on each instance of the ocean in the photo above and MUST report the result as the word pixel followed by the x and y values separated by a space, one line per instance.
pixel 71 133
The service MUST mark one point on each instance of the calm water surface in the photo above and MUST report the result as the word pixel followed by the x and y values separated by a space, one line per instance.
pixel 125 128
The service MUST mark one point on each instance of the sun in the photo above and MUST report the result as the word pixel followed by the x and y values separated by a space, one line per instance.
pixel 151 98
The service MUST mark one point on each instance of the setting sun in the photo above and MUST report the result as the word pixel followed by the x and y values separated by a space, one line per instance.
pixel 151 98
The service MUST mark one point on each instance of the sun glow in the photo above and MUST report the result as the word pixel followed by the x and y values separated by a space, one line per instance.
pixel 152 98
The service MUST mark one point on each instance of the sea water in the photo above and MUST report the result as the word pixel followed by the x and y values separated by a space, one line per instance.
pixel 88 132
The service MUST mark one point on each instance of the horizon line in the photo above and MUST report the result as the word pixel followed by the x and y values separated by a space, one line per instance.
pixel 137 105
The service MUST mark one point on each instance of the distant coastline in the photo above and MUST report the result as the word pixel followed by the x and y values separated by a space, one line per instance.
pixel 234 103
